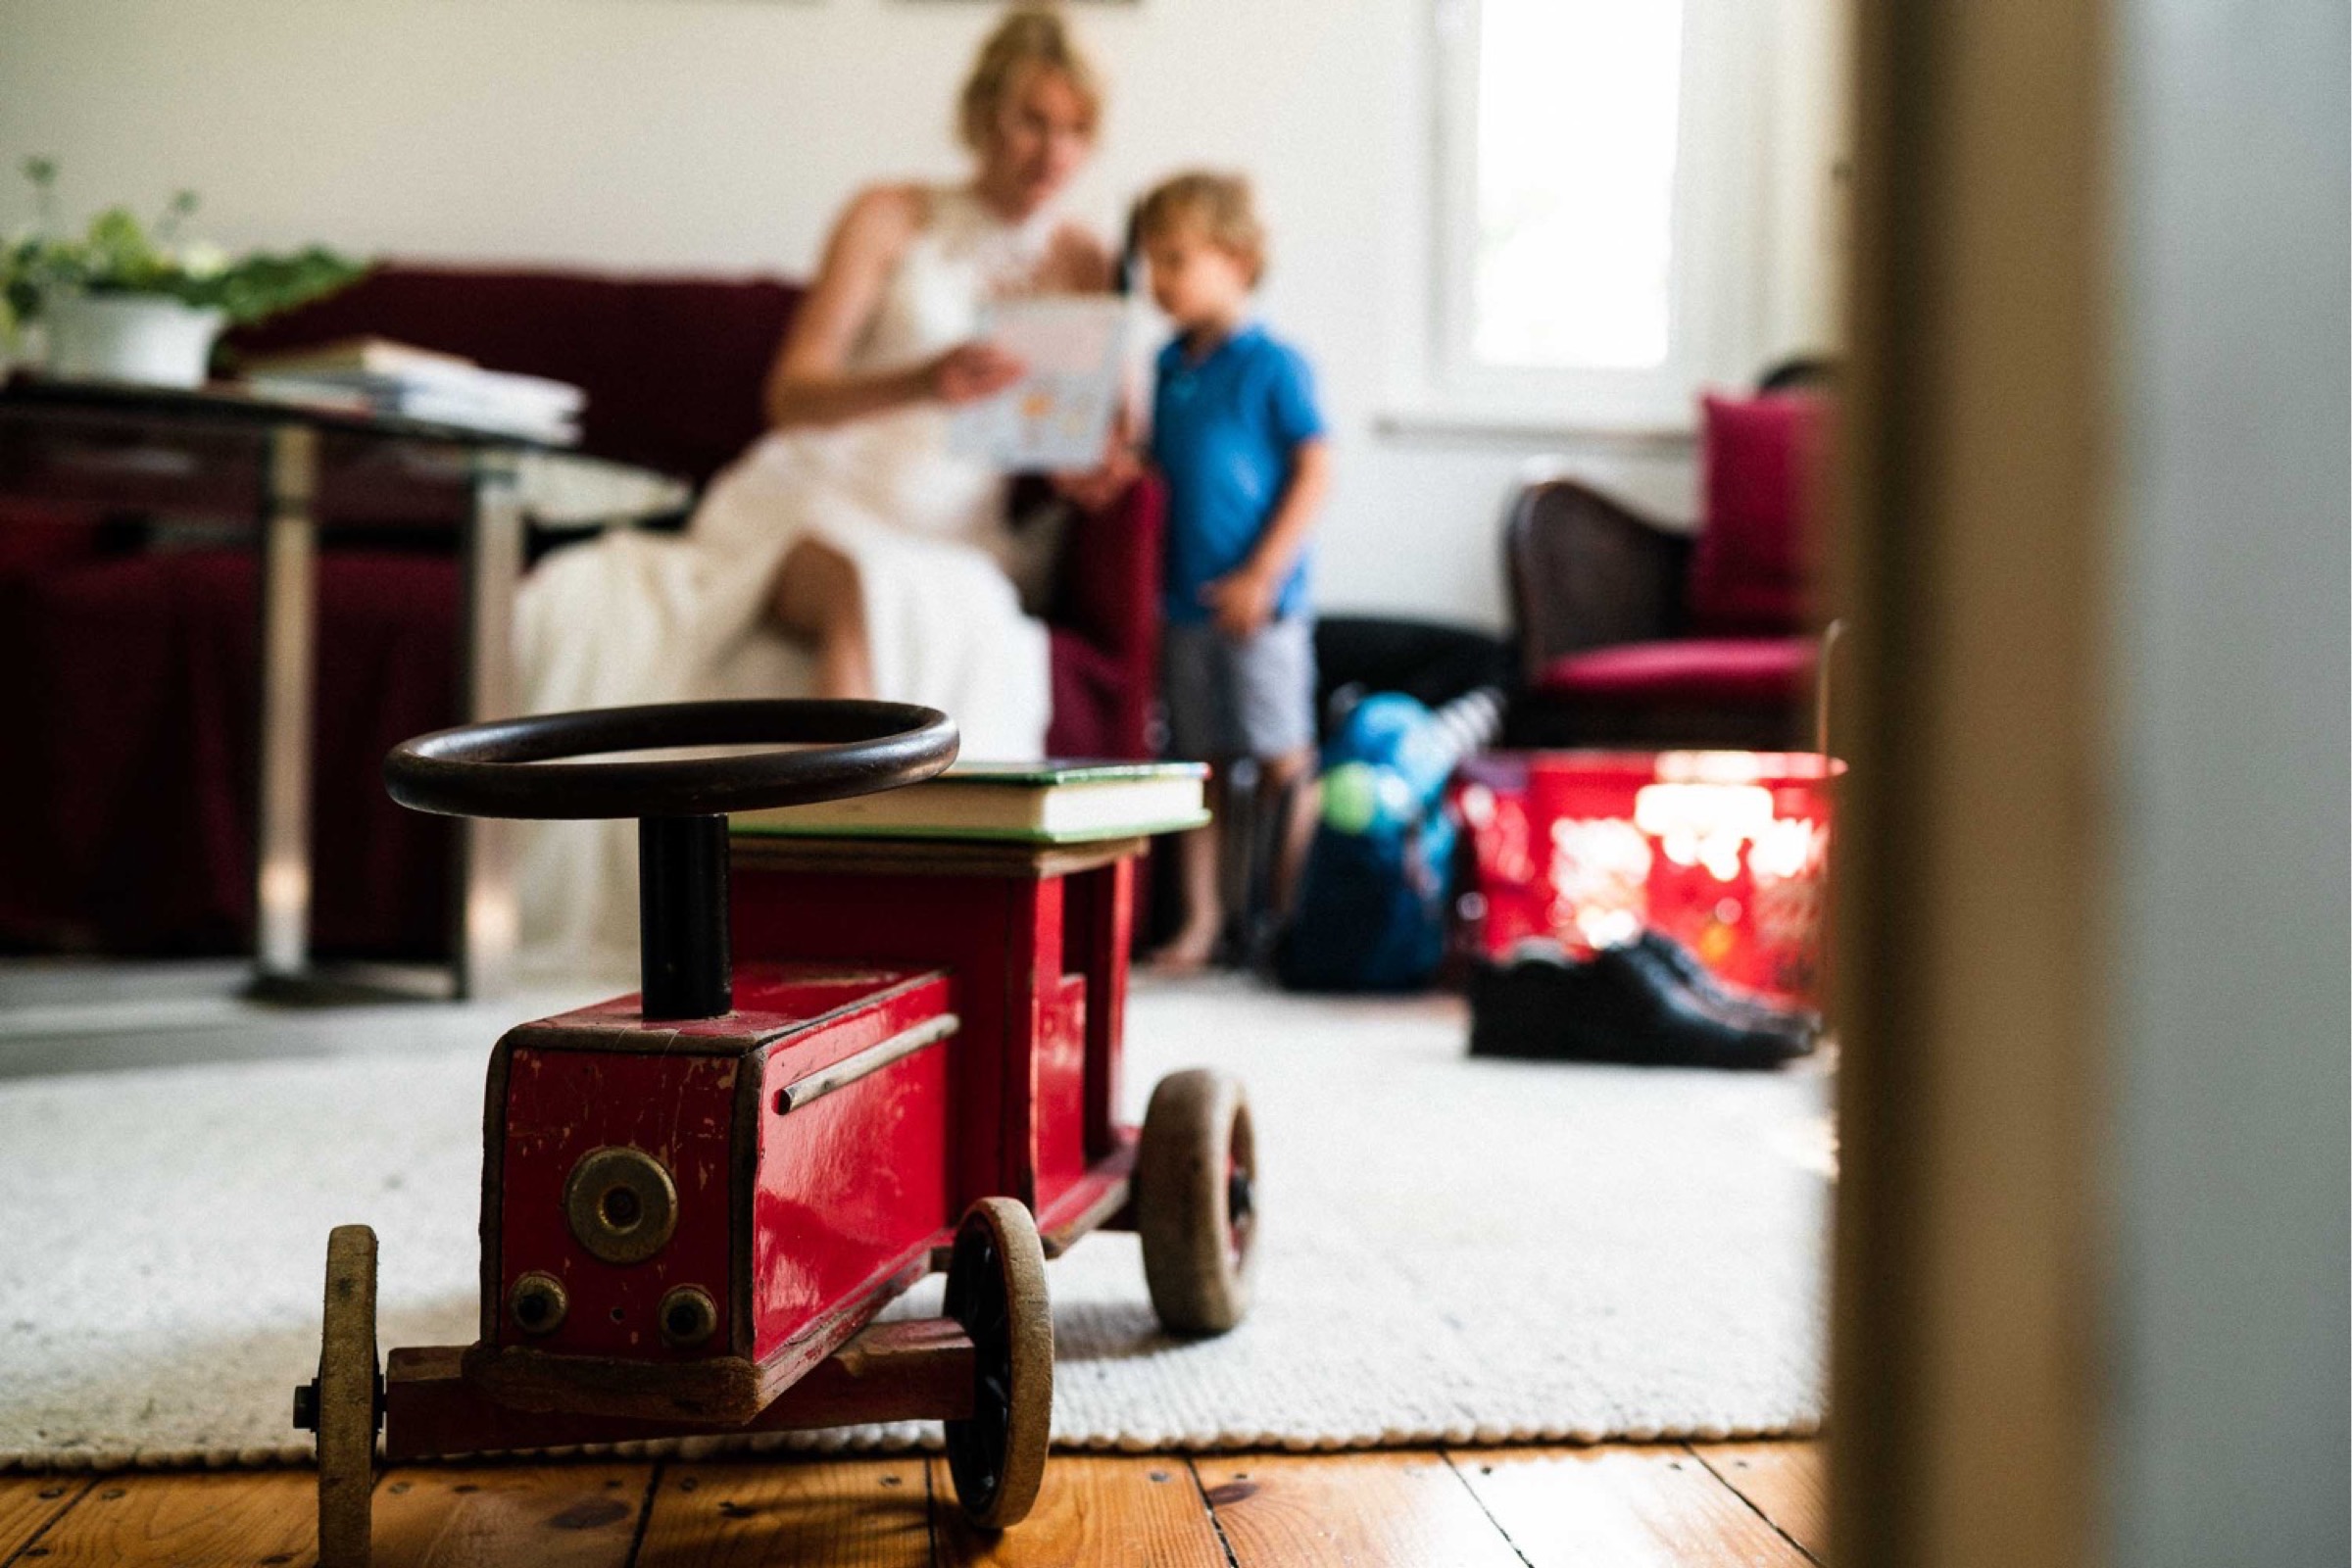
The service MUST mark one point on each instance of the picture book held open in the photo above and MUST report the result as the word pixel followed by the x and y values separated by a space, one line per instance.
pixel 1058 415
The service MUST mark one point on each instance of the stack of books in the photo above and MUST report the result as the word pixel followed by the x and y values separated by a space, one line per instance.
pixel 1055 802
pixel 373 376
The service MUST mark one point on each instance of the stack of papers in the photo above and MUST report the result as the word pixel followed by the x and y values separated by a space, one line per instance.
pixel 372 376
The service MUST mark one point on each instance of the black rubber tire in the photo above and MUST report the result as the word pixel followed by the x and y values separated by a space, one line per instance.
pixel 996 1290
pixel 1196 1201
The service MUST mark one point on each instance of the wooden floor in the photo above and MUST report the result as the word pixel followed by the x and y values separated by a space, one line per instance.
pixel 1757 1505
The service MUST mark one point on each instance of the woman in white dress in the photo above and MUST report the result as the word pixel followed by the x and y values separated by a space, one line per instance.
pixel 849 552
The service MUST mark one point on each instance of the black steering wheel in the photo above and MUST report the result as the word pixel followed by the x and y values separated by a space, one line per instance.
pixel 840 748
pixel 528 767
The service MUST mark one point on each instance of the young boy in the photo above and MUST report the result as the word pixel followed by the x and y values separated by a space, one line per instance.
pixel 1236 436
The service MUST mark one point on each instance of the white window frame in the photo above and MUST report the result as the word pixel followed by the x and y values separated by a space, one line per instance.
pixel 1716 293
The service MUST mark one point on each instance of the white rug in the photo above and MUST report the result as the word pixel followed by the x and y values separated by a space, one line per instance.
pixel 1452 1250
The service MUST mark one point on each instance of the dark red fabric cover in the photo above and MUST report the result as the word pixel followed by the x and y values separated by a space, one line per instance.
pixel 1104 622
pixel 140 713
pixel 1736 670
pixel 1760 457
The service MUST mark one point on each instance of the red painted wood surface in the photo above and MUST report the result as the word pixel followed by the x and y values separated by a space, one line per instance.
pixel 1098 929
pixel 1038 969
pixel 1057 1086
pixel 854 1184
pixel 1095 1200
pixel 1032 971
pixel 772 999
pixel 961 925
pixel 919 1370
pixel 559 1106
pixel 842 1190
pixel 958 924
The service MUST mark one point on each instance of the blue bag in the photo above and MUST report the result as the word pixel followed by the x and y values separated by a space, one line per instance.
pixel 1370 913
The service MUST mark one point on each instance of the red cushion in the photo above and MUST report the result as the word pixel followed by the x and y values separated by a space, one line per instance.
pixel 1751 570
pixel 1714 669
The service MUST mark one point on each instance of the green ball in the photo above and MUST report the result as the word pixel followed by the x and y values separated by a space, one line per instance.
pixel 1351 797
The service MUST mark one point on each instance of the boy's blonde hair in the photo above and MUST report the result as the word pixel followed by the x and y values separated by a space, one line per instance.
pixel 1220 205
pixel 1030 35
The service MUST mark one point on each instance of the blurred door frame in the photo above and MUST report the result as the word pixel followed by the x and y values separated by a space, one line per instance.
pixel 2091 1296
pixel 1964 1414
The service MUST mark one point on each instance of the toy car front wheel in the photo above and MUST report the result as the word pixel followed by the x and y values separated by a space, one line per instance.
pixel 1195 1201
pixel 344 1405
pixel 996 1290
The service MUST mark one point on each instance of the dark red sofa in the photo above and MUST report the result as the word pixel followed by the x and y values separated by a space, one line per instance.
pixel 128 662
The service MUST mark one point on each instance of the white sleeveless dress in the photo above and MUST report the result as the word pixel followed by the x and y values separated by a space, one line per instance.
pixel 645 619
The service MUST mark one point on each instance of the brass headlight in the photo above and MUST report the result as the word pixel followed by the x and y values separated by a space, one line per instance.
pixel 621 1204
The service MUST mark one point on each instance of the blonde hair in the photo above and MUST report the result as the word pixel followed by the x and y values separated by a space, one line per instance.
pixel 1029 36
pixel 1221 206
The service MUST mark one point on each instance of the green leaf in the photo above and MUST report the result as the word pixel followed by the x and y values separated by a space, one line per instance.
pixel 118 254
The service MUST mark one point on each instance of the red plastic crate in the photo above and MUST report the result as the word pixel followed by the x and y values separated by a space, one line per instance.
pixel 1726 852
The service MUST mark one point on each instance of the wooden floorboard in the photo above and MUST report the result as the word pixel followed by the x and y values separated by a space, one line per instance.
pixel 854 1514
pixel 193 1519
pixel 1091 1509
pixel 29 1504
pixel 487 1515
pixel 1653 1506
pixel 1788 1483
pixel 1406 1508
pixel 1715 1505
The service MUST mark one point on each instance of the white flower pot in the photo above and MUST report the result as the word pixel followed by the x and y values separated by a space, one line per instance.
pixel 152 339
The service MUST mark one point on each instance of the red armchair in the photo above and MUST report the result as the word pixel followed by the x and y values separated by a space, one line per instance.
pixel 131 671
pixel 1634 633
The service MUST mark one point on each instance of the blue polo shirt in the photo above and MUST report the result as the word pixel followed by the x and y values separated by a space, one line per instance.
pixel 1223 430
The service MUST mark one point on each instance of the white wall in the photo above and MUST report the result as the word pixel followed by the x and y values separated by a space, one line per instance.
pixel 2232 1358
pixel 722 134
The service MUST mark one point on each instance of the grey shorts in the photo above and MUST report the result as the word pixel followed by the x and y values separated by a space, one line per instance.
pixel 1227 699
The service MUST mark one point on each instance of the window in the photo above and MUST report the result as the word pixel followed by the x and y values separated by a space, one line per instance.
pixel 1598 165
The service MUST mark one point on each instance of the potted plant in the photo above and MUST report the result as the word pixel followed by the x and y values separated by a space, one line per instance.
pixel 128 301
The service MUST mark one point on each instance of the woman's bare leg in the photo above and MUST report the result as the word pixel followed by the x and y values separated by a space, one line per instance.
pixel 818 599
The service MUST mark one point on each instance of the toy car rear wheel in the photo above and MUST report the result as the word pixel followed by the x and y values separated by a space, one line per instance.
pixel 996 1290
pixel 345 1405
pixel 1195 1201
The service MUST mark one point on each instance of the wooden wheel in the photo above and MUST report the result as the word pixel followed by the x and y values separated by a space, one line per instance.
pixel 1195 1201
pixel 345 1405
pixel 996 1290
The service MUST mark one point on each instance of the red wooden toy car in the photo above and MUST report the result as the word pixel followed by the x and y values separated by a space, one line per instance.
pixel 696 1200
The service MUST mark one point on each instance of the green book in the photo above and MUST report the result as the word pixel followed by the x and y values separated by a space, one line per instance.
pixel 1053 802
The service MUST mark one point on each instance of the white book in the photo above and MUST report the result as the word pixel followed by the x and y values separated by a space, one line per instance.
pixel 1058 415
pixel 488 414
pixel 388 370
